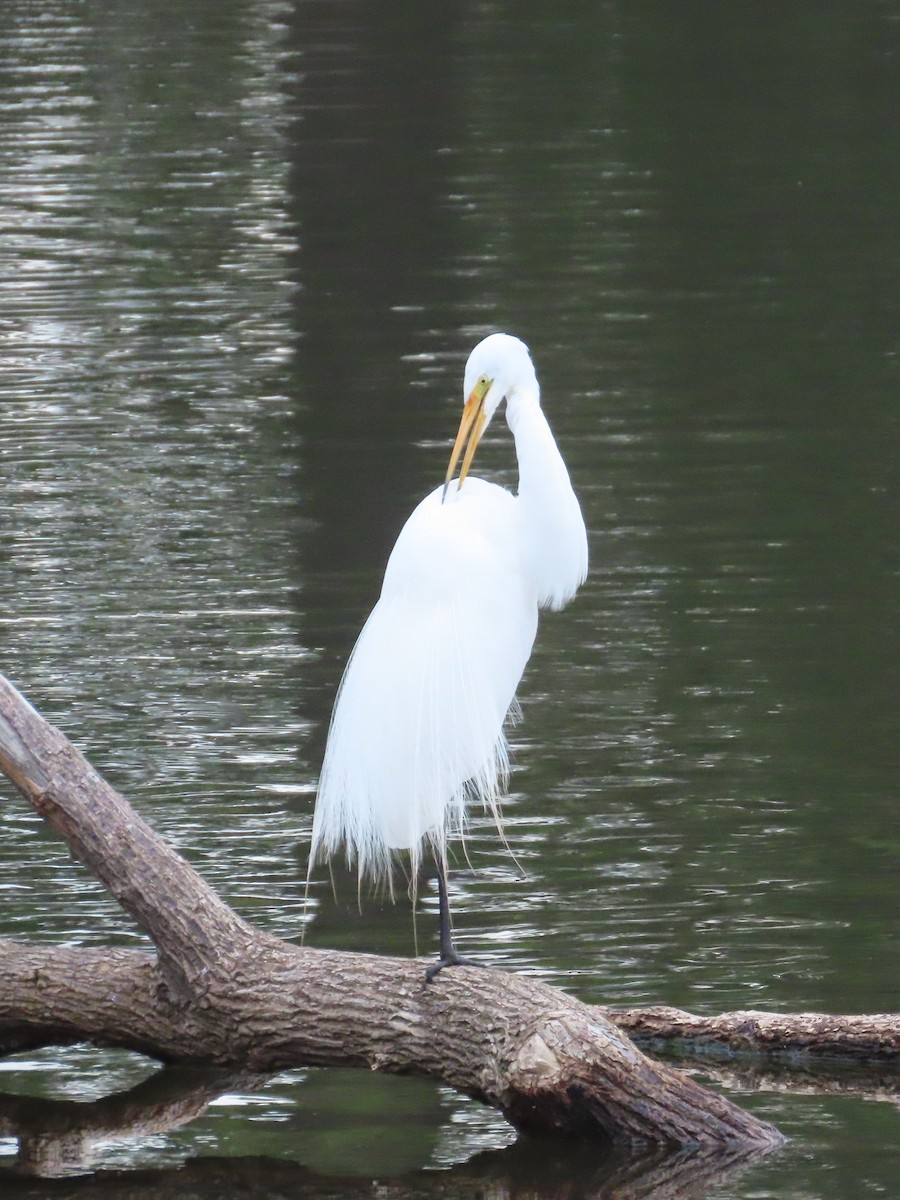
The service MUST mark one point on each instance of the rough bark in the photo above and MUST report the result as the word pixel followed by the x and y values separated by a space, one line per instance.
pixel 219 991
pixel 544 1059
pixel 794 1038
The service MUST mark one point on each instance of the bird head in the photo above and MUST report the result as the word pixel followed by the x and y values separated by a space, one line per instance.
pixel 496 367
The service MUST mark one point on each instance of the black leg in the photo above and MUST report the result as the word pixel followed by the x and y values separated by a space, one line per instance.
pixel 447 949
pixel 449 957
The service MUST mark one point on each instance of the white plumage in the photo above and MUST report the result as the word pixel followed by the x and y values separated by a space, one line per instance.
pixel 417 728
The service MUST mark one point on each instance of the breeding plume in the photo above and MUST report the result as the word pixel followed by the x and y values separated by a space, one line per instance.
pixel 417 730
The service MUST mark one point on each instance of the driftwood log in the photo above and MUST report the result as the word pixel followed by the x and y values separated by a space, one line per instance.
pixel 215 990
pixel 798 1040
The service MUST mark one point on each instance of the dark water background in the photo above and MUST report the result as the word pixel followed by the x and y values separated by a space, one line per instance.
pixel 245 247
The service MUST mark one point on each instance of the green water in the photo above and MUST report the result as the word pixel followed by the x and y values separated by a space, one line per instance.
pixel 246 249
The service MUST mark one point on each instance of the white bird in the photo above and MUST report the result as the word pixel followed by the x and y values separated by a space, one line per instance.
pixel 417 728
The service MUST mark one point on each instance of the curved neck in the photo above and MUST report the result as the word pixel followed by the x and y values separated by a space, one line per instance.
pixel 552 526
pixel 541 466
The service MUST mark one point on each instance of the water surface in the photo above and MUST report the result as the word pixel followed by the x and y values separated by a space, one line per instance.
pixel 246 250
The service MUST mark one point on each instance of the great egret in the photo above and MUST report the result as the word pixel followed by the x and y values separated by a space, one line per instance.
pixel 417 728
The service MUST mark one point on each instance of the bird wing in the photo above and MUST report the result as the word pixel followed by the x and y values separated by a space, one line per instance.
pixel 417 728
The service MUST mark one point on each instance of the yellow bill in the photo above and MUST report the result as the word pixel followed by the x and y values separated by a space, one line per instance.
pixel 471 427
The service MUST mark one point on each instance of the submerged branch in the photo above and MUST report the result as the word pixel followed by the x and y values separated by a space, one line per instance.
pixel 792 1038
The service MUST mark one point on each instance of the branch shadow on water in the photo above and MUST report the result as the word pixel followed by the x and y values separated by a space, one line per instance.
pixel 58 1139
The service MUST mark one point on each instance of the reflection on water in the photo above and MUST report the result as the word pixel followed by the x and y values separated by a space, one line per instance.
pixel 246 250
pixel 62 1139
pixel 145 382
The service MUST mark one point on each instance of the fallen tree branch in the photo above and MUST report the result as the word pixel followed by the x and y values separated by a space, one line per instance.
pixel 794 1038
pixel 544 1059
pixel 219 991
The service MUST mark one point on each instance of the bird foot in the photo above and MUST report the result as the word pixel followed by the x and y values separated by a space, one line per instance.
pixel 449 958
